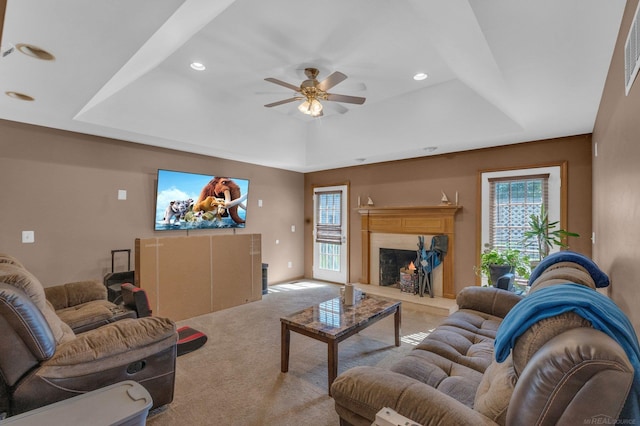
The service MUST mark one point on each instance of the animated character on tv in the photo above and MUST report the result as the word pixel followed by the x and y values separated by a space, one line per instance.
pixel 221 190
pixel 177 210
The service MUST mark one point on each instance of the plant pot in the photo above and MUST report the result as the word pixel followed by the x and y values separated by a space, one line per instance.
pixel 496 271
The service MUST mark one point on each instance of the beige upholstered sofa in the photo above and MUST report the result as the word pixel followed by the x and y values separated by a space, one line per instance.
pixel 559 371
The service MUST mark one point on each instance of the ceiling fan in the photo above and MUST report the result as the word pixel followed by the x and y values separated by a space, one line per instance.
pixel 311 91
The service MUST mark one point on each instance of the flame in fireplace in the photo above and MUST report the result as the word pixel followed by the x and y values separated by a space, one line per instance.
pixel 411 266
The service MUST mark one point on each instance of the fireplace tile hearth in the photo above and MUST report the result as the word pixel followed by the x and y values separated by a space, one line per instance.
pixel 433 305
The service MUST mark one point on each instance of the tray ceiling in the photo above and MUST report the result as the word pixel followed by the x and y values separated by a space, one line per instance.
pixel 500 72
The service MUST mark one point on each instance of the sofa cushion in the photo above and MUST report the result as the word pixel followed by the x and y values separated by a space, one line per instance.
pixel 23 280
pixel 474 322
pixel 561 273
pixel 79 316
pixel 460 346
pixel 445 375
pixel 454 356
pixel 495 390
pixel 490 300
pixel 75 293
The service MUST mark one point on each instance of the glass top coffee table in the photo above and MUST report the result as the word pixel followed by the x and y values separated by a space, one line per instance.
pixel 332 322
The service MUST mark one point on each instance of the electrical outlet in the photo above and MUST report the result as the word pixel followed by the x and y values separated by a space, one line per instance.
pixel 290 265
pixel 293 228
pixel 277 241
pixel 122 194
pixel 259 203
pixel 28 237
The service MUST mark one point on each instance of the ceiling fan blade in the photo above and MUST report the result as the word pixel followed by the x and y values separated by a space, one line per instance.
pixel 285 101
pixel 332 80
pixel 336 107
pixel 346 99
pixel 282 83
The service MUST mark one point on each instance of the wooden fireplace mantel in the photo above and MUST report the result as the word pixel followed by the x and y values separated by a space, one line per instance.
pixel 418 220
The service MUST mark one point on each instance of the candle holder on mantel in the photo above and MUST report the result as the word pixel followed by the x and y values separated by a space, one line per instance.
pixel 444 201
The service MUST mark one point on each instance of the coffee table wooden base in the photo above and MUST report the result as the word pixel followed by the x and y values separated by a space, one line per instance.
pixel 331 340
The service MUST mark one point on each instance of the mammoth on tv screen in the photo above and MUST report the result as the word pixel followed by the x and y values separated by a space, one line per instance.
pixel 187 201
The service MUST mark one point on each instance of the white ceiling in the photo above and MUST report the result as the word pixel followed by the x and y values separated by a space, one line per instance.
pixel 500 72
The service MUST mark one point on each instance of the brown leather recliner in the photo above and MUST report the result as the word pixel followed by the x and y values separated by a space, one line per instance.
pixel 83 305
pixel 43 361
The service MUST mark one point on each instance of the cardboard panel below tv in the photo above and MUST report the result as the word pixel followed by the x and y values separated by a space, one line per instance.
pixel 189 276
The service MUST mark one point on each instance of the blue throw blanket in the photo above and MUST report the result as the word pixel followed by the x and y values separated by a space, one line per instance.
pixel 599 278
pixel 603 314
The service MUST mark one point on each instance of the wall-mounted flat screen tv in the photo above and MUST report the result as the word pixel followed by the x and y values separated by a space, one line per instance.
pixel 186 201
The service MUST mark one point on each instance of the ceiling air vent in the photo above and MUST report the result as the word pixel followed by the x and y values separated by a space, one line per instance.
pixel 632 53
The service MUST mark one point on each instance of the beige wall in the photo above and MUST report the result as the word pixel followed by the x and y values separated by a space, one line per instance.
pixel 616 182
pixel 64 186
pixel 419 182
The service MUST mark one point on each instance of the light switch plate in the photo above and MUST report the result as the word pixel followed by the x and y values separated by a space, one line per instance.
pixel 122 194
pixel 28 237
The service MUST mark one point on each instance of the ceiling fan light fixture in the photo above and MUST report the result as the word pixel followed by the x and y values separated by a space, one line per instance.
pixel 311 107
pixel 198 66
pixel 311 91
pixel 316 108
pixel 420 76
pixel 305 107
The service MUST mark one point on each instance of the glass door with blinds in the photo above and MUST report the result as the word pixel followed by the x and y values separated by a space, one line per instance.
pixel 330 233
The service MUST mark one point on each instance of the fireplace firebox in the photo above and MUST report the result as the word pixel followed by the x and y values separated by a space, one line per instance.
pixel 391 261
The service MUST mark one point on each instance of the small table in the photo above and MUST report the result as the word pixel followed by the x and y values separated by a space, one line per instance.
pixel 332 322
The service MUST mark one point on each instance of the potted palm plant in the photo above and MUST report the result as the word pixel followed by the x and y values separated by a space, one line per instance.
pixel 494 263
pixel 544 234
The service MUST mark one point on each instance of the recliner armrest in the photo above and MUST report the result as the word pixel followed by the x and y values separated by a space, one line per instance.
pixel 490 300
pixel 75 293
pixel 579 375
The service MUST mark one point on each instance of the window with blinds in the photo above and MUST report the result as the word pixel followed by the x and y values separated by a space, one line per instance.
pixel 329 217
pixel 512 200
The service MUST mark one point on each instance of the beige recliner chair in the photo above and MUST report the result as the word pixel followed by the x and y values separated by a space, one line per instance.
pixel 43 361
pixel 83 305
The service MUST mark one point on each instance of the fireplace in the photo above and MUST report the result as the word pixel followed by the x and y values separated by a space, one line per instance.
pixel 399 228
pixel 382 244
pixel 392 261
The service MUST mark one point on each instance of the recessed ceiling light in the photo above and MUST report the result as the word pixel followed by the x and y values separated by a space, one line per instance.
pixel 20 96
pixel 420 76
pixel 34 52
pixel 198 66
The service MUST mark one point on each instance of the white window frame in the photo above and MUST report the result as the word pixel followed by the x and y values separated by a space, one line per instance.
pixel 557 208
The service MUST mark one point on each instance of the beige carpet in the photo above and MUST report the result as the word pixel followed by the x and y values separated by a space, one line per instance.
pixel 235 378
